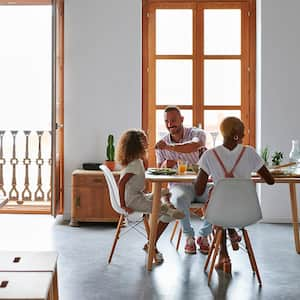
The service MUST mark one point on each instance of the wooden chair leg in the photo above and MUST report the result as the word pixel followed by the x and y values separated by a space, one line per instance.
pixel 179 239
pixel 216 250
pixel 117 235
pixel 174 230
pixel 146 224
pixel 211 248
pixel 251 255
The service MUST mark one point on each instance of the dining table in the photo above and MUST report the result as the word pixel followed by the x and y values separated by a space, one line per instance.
pixel 189 177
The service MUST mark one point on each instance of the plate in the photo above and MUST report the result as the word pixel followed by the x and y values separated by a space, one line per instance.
pixel 162 171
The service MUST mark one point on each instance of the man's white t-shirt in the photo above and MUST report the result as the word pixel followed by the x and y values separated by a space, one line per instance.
pixel 250 162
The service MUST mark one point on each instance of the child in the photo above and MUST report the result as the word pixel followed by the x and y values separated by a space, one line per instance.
pixel 132 155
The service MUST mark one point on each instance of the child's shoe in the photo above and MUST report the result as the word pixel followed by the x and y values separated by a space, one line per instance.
pixel 158 258
pixel 170 210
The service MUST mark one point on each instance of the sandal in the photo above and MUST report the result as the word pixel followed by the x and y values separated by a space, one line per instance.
pixel 203 245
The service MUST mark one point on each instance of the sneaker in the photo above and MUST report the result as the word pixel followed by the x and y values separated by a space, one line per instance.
pixel 203 244
pixel 171 211
pixel 190 246
pixel 158 258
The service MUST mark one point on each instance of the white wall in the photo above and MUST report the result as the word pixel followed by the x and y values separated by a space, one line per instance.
pixel 102 78
pixel 279 92
pixel 103 82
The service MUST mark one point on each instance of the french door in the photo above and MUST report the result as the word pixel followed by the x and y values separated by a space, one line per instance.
pixel 31 126
pixel 200 56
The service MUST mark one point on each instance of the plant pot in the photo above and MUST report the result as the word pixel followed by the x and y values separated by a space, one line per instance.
pixel 111 164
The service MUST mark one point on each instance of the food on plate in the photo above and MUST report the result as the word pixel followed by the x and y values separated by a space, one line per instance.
pixel 162 171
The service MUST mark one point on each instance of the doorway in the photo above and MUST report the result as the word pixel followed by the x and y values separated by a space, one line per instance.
pixel 31 67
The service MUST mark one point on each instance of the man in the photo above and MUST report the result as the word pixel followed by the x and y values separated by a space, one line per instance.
pixel 185 144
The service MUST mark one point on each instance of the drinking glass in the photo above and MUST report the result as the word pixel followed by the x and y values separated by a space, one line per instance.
pixel 182 167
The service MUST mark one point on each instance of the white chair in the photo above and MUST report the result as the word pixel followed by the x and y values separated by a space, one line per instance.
pixel 233 204
pixel 132 220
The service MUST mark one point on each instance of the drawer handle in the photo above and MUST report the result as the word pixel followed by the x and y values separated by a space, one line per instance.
pixel 77 201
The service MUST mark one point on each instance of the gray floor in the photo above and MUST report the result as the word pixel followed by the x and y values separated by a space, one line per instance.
pixel 85 275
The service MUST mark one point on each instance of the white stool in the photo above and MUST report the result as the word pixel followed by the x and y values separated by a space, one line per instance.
pixel 25 285
pixel 32 261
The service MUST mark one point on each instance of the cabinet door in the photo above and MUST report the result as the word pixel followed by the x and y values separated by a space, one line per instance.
pixel 89 202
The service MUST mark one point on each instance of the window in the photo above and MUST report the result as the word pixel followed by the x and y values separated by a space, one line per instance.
pixel 200 56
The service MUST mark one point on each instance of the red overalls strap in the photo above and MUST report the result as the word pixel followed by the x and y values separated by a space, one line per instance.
pixel 230 173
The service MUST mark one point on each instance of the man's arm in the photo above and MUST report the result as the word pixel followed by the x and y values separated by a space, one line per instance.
pixel 168 163
pixel 187 147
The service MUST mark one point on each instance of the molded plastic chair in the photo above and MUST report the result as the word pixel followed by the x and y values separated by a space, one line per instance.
pixel 132 220
pixel 233 204
pixel 198 210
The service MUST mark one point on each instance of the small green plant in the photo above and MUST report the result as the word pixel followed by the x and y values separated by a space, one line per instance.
pixel 265 153
pixel 110 148
pixel 277 158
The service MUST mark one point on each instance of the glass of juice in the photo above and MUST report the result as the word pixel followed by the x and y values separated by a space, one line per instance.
pixel 181 166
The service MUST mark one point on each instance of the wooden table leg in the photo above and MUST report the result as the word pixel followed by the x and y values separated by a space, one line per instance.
pixel 294 207
pixel 156 188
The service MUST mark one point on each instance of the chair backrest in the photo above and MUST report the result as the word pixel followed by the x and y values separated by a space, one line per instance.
pixel 113 189
pixel 233 203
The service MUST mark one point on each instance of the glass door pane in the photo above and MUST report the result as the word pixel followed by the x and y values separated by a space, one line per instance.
pixel 174 81
pixel 222 82
pixel 174 31
pixel 213 119
pixel 222 31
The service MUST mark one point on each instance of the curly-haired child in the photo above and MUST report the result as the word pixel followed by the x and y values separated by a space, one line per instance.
pixel 131 154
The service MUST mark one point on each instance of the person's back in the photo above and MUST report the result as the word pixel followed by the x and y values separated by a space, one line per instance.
pixel 231 159
pixel 220 161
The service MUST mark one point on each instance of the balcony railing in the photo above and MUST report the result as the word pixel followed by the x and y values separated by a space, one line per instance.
pixel 25 166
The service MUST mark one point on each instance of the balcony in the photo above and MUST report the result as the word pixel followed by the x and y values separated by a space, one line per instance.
pixel 25 170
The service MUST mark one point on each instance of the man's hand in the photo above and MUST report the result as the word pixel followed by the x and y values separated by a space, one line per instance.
pixel 161 145
pixel 168 163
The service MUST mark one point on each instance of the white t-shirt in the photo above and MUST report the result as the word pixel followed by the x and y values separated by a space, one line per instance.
pixel 250 162
pixel 136 184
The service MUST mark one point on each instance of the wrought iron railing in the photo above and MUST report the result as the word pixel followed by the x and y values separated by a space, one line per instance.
pixel 25 166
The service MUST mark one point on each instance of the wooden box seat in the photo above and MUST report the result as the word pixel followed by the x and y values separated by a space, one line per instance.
pixel 26 285
pixel 32 262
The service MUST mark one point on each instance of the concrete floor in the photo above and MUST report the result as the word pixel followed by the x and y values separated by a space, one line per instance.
pixel 84 274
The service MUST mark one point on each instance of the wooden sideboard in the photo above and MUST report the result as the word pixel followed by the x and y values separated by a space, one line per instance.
pixel 90 198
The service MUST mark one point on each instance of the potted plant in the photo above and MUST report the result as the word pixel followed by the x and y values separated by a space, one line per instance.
pixel 265 153
pixel 277 158
pixel 110 153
